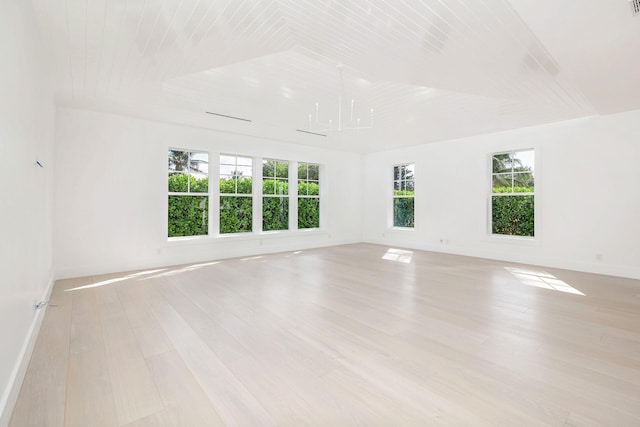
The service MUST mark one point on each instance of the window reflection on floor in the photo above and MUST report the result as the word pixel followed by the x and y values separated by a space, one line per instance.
pixel 398 255
pixel 542 279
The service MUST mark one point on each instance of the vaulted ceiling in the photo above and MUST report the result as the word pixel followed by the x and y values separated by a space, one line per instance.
pixel 431 70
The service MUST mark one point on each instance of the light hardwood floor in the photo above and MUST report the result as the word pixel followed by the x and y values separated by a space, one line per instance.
pixel 349 335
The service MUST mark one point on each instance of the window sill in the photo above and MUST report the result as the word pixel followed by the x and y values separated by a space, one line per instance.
pixel 200 240
pixel 517 240
pixel 402 229
pixel 398 231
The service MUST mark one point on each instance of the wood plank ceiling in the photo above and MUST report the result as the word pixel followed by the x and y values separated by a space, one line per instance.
pixel 430 69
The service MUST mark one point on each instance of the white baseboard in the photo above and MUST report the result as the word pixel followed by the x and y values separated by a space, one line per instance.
pixel 632 272
pixel 12 391
pixel 179 254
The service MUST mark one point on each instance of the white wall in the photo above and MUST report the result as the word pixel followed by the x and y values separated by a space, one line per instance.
pixel 111 196
pixel 588 195
pixel 26 133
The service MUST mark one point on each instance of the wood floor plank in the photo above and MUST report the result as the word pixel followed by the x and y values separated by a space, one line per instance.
pixel 134 390
pixel 345 335
pixel 230 398
pixel 41 401
pixel 89 391
pixel 186 404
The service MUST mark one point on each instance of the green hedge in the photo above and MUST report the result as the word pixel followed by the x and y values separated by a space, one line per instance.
pixel 178 184
pixel 403 209
pixel 275 213
pixel 403 212
pixel 236 214
pixel 308 212
pixel 513 215
pixel 188 215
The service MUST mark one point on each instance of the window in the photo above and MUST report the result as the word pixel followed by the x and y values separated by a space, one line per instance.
pixel 275 195
pixel 236 204
pixel 403 196
pixel 188 183
pixel 512 193
pixel 308 196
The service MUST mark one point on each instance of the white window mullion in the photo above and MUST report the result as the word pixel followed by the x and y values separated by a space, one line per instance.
pixel 257 194
pixel 321 197
pixel 293 195
pixel 214 194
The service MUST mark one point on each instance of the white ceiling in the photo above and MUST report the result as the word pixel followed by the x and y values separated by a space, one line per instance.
pixel 430 69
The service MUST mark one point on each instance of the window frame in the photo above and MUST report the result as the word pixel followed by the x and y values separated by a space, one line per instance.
pixel 189 193
pixel 404 196
pixel 250 195
pixel 256 196
pixel 308 196
pixel 286 195
pixel 535 194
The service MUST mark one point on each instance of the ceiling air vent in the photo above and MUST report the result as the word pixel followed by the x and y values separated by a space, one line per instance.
pixel 228 117
pixel 635 7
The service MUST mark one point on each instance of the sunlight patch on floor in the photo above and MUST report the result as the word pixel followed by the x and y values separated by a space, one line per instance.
pixel 116 280
pixel 398 255
pixel 542 279
pixel 293 253
pixel 251 258
pixel 185 269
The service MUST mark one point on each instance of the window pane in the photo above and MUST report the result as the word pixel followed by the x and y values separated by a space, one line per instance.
pixel 303 169
pixel 309 213
pixel 244 171
pixel 403 212
pixel 178 160
pixel 502 162
pixel 245 161
pixel 244 185
pixel 227 185
pixel 227 160
pixel 235 214
pixel 396 173
pixel 408 171
pixel 303 188
pixel 188 216
pixel 403 188
pixel 314 172
pixel 275 213
pixel 198 184
pixel 199 163
pixel 523 182
pixel 282 187
pixel 282 169
pixel 227 169
pixel 523 160
pixel 502 183
pixel 268 186
pixel 268 168
pixel 178 182
pixel 313 188
pixel 410 187
pixel 512 215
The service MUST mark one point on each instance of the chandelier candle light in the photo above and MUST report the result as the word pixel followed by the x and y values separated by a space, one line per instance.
pixel 316 125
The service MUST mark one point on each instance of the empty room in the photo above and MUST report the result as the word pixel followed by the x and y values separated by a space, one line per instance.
pixel 319 213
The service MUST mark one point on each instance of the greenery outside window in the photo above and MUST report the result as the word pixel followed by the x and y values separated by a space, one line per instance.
pixel 308 196
pixel 403 196
pixel 513 193
pixel 275 195
pixel 188 186
pixel 236 199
